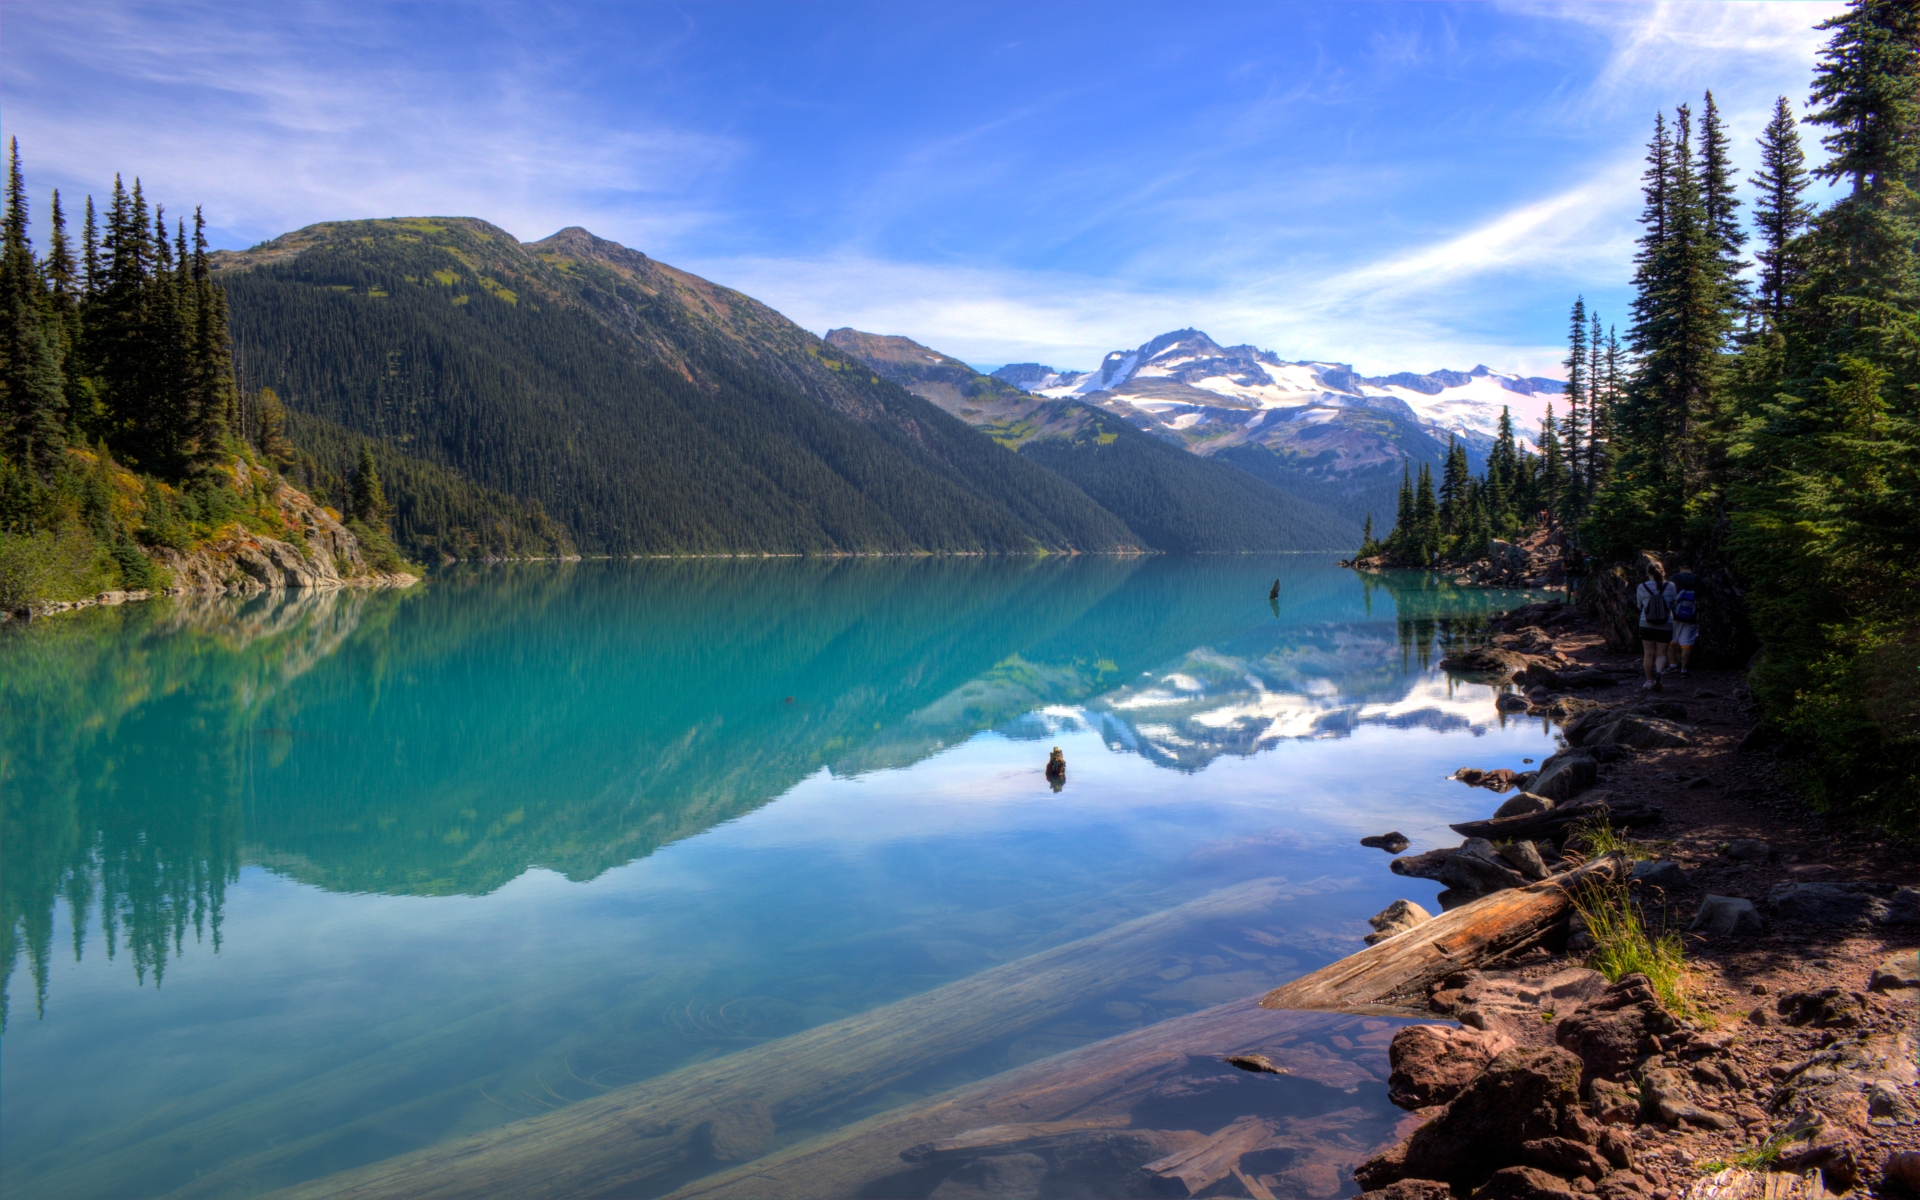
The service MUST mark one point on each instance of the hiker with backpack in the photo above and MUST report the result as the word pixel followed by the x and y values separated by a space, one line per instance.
pixel 1656 598
pixel 1686 617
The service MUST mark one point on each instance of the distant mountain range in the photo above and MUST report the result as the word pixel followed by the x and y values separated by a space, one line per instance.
pixel 1330 440
pixel 1189 388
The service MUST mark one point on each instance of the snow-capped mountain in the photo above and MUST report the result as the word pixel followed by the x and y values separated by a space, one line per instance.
pixel 1213 398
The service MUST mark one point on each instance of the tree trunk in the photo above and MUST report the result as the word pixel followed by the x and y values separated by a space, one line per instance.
pixel 1393 976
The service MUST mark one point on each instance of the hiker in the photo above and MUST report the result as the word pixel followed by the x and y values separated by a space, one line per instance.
pixel 1655 597
pixel 1686 617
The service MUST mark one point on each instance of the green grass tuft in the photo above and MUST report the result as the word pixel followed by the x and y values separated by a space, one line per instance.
pixel 1623 946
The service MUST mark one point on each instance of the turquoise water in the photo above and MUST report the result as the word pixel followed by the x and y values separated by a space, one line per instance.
pixel 297 883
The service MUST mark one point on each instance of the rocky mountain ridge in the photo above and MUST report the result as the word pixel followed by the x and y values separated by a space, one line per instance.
pixel 1184 386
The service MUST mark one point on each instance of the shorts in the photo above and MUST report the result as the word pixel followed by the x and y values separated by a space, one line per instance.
pixel 1662 636
pixel 1685 633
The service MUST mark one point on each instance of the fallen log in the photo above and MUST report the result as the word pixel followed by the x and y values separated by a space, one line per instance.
pixel 1393 976
pixel 1626 814
pixel 1091 1094
pixel 616 1143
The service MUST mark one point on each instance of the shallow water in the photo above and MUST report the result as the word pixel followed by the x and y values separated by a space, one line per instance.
pixel 294 884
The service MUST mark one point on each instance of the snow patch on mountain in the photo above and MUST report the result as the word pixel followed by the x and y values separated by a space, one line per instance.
pixel 1184 380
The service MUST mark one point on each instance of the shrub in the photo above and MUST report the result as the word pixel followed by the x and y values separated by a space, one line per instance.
pixel 51 564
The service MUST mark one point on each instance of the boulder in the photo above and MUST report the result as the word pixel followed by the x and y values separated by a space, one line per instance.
pixel 1565 1156
pixel 1829 1147
pixel 1525 858
pixel 1392 843
pixel 1522 1096
pixel 1748 850
pixel 1511 702
pixel 1664 1093
pixel 1893 974
pixel 1565 775
pixel 1903 1167
pixel 1726 916
pixel 1828 905
pixel 1664 875
pixel 1825 1008
pixel 1432 1063
pixel 1611 1102
pixel 1476 867
pixel 1524 1183
pixel 1410 1189
pixel 1397 917
pixel 1486 661
pixel 1639 731
pixel 1613 1032
pixel 1422 866
pixel 1525 802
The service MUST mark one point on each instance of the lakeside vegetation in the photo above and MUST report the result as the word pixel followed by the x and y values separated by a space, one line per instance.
pixel 1765 425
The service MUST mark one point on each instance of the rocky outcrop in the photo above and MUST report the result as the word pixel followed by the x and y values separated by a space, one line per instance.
pixel 1617 1030
pixel 1432 1064
pixel 1522 1096
pixel 319 553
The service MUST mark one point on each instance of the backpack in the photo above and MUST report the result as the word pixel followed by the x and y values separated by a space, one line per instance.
pixel 1655 613
pixel 1684 608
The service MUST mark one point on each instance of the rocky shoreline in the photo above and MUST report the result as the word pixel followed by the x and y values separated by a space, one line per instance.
pixel 322 554
pixel 1791 1069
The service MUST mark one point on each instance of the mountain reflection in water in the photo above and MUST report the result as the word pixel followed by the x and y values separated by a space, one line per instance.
pixel 576 717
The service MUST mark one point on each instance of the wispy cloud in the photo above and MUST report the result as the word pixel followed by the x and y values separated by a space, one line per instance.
pixel 303 116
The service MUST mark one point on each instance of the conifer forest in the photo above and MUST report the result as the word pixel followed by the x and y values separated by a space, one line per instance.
pixel 1760 414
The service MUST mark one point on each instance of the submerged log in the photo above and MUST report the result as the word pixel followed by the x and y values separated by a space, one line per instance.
pixel 1626 814
pixel 618 1142
pixel 1085 1094
pixel 1393 976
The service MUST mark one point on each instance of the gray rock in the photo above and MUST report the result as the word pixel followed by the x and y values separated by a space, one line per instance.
pixel 1666 875
pixel 1727 916
pixel 1833 905
pixel 1639 731
pixel 1395 918
pixel 1392 843
pixel 1525 858
pixel 1748 850
pixel 1524 804
pixel 1422 866
pixel 1903 907
pixel 1664 1091
pixel 1510 702
pixel 1900 971
pixel 1476 867
pixel 1564 776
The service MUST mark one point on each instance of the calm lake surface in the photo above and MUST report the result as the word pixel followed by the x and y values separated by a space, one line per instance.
pixel 296 883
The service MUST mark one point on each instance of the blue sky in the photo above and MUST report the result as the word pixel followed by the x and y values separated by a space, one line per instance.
pixel 1404 186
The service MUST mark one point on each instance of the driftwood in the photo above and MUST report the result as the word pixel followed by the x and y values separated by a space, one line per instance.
pixel 1200 1166
pixel 616 1143
pixel 1080 1094
pixel 1393 976
pixel 1624 814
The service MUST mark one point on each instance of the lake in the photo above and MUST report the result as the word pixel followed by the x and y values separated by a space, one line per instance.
pixel 295 883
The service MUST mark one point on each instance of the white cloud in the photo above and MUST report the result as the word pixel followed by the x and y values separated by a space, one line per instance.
pixel 275 123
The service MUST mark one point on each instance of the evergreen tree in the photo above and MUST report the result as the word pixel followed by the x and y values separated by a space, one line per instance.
pixel 1455 478
pixel 1598 400
pixel 1719 205
pixel 369 499
pixel 1403 529
pixel 32 391
pixel 1576 365
pixel 1552 468
pixel 90 253
pixel 270 430
pixel 1779 213
pixel 1426 518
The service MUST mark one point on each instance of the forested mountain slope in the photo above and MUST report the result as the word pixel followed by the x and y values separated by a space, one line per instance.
pixel 1173 500
pixel 645 409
